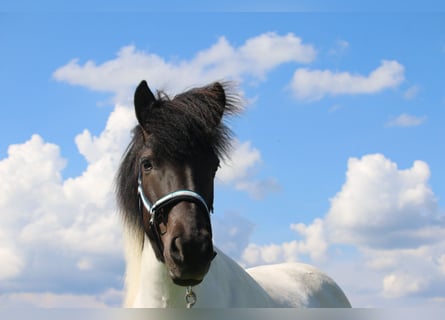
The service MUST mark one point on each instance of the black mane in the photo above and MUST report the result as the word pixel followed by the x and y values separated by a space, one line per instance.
pixel 178 129
pixel 190 122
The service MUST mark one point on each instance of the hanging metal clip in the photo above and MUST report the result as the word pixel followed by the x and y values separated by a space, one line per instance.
pixel 190 297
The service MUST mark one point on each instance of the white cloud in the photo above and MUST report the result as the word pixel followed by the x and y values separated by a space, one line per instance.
pixel 51 223
pixel 388 220
pixel 112 140
pixel 12 263
pixel 399 284
pixel 314 245
pixel 269 254
pixel 30 172
pixel 406 120
pixel 379 199
pixel 266 51
pixel 313 85
pixel 411 271
pixel 392 217
pixel 239 168
pixel 256 57
pixel 241 159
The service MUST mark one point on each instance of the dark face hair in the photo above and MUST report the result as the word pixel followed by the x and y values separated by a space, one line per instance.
pixel 177 145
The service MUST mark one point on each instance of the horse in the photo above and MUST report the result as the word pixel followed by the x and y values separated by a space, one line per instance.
pixel 165 193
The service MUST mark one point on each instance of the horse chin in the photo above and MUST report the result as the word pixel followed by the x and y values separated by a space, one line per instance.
pixel 186 282
pixel 185 279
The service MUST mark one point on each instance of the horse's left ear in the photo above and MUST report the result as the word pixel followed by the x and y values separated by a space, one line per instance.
pixel 220 95
pixel 143 101
pixel 217 95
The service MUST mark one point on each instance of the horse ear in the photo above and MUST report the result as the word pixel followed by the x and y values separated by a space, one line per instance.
pixel 143 101
pixel 219 95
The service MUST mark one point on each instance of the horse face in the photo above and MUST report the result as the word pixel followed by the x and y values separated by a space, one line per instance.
pixel 178 143
pixel 181 233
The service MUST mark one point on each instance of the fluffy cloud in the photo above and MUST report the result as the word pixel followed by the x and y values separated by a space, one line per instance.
pixel 239 167
pixel 392 217
pixel 52 225
pixel 58 234
pixel 242 158
pixel 256 57
pixel 315 243
pixel 314 246
pixel 12 262
pixel 112 140
pixel 28 174
pixel 388 215
pixel 395 285
pixel 412 271
pixel 379 199
pixel 313 85
pixel 381 207
pixel 251 60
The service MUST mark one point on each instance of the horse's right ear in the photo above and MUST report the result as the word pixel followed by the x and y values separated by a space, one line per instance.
pixel 143 101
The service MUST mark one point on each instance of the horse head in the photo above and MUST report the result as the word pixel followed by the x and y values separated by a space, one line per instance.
pixel 165 183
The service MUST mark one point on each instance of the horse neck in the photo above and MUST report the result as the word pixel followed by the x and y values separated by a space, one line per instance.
pixel 147 280
pixel 148 283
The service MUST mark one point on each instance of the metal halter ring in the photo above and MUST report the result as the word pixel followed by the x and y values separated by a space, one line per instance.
pixel 190 297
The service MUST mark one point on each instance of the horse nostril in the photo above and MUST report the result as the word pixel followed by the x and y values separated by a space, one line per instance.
pixel 207 250
pixel 176 250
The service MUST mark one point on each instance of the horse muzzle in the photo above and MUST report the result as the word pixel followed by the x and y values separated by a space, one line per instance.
pixel 189 260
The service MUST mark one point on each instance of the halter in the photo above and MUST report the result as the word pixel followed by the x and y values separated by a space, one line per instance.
pixel 175 196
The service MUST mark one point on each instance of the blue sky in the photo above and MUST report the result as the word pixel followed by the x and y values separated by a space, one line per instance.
pixel 338 160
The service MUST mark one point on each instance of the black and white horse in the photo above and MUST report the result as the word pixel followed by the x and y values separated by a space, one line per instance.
pixel 165 193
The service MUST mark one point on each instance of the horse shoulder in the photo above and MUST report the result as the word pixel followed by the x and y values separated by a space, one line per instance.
pixel 299 285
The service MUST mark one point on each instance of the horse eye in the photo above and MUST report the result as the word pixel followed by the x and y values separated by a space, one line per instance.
pixel 147 165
